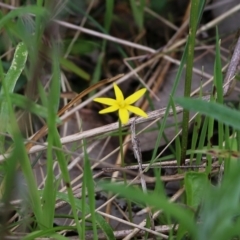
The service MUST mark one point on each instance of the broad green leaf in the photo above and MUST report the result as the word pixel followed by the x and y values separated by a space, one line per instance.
pixel 219 215
pixel 195 185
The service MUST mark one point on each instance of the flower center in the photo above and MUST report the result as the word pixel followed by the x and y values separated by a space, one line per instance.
pixel 122 104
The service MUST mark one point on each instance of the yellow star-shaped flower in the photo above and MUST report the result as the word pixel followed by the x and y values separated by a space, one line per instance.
pixel 123 106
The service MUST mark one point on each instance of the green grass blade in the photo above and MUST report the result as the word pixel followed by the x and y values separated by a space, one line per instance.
pixel 70 66
pixel 66 178
pixel 220 209
pixel 209 137
pixel 182 215
pixel 163 122
pixel 16 68
pixel 218 77
pixel 194 20
pixel 49 192
pixel 19 153
pixel 217 111
pixel 196 130
pixel 218 82
pixel 202 138
pixel 21 11
pixel 177 140
pixel 84 204
pixel 90 189
pixel 24 103
pixel 49 232
pixel 99 219
pixel 138 12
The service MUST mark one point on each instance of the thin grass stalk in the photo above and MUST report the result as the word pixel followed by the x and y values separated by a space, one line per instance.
pixel 149 99
pixel 195 4
pixel 83 203
pixel 90 190
pixel 9 182
pixel 138 12
pixel 209 143
pixel 196 130
pixel 218 82
pixel 54 98
pixel 238 133
pixel 66 178
pixel 227 164
pixel 177 140
pixel 202 139
pixel 164 120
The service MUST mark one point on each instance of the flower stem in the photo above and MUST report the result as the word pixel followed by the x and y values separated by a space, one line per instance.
pixel 121 143
pixel 122 165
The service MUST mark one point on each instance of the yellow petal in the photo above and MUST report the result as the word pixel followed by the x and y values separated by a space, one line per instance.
pixel 123 115
pixel 118 93
pixel 109 109
pixel 137 111
pixel 135 96
pixel 106 101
